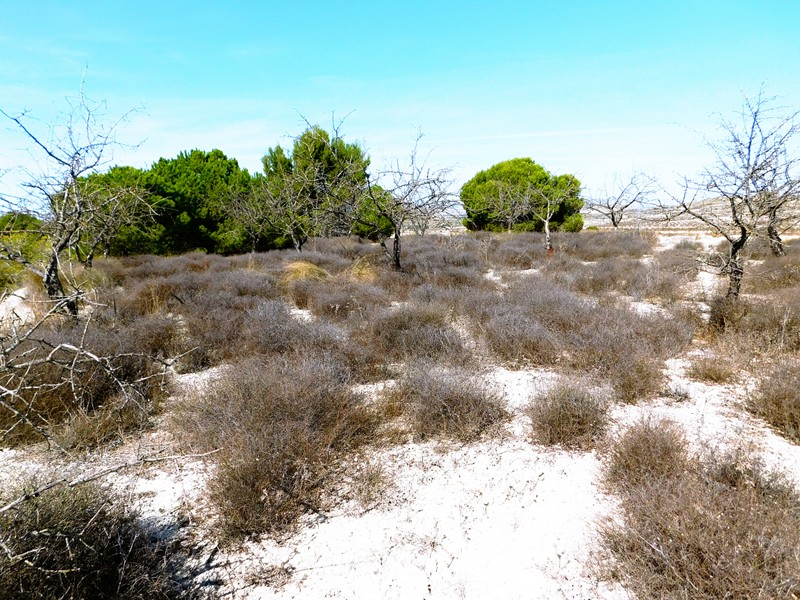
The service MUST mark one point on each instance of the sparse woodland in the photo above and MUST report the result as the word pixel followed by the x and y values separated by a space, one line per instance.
pixel 296 385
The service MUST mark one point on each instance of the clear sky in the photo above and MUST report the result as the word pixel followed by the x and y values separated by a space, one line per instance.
pixel 586 87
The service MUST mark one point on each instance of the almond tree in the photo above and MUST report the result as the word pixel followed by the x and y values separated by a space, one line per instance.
pixel 78 215
pixel 548 200
pixel 406 192
pixel 752 187
pixel 613 203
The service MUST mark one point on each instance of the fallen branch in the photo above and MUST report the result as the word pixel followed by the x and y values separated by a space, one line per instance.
pixel 97 475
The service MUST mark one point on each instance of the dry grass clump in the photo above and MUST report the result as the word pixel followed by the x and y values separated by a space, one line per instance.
pixel 776 399
pixel 299 278
pixel 452 403
pixel 691 528
pixel 567 415
pixel 712 369
pixel 281 426
pixel 77 543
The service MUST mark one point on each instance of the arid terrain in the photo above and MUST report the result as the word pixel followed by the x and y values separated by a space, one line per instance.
pixel 461 472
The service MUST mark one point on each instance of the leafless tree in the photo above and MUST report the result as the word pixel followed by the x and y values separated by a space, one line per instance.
pixel 544 202
pixel 613 203
pixel 78 216
pixel 279 205
pixel 406 192
pixel 752 187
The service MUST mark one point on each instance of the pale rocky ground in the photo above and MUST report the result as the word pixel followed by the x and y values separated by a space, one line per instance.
pixel 501 518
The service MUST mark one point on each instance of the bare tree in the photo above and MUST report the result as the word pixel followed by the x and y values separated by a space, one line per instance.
pixel 78 216
pixel 752 185
pixel 277 205
pixel 545 202
pixel 406 192
pixel 613 203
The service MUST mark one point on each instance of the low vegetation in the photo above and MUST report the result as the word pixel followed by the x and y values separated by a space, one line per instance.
pixel 297 338
pixel 569 416
pixel 452 403
pixel 699 527
pixel 776 399
pixel 76 543
pixel 279 426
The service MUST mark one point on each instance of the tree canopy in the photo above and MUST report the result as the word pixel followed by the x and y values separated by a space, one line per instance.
pixel 514 194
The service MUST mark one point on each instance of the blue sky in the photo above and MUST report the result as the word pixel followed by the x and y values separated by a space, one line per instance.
pixel 586 87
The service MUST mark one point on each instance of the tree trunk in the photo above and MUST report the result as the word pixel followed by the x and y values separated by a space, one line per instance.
pixel 735 267
pixel 53 287
pixel 396 251
pixel 548 243
pixel 775 241
pixel 297 242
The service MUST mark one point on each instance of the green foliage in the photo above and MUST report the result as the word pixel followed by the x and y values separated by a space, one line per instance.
pixel 490 195
pixel 370 223
pixel 188 195
pixel 22 233
pixel 573 223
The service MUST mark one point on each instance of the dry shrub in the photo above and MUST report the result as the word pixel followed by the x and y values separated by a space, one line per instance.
pixel 567 415
pixel 649 450
pixel 414 331
pixel 338 298
pixel 591 245
pixel 270 329
pixel 451 403
pixel 539 322
pixel 350 248
pixel 627 348
pixel 149 297
pixel 397 285
pixel 84 429
pixel 726 313
pixel 766 325
pixel 281 426
pixel 776 399
pixel 76 543
pixel 519 340
pixel 446 262
pixel 692 528
pixel 712 369
pixel 517 251
pixel 776 272
pixel 618 274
